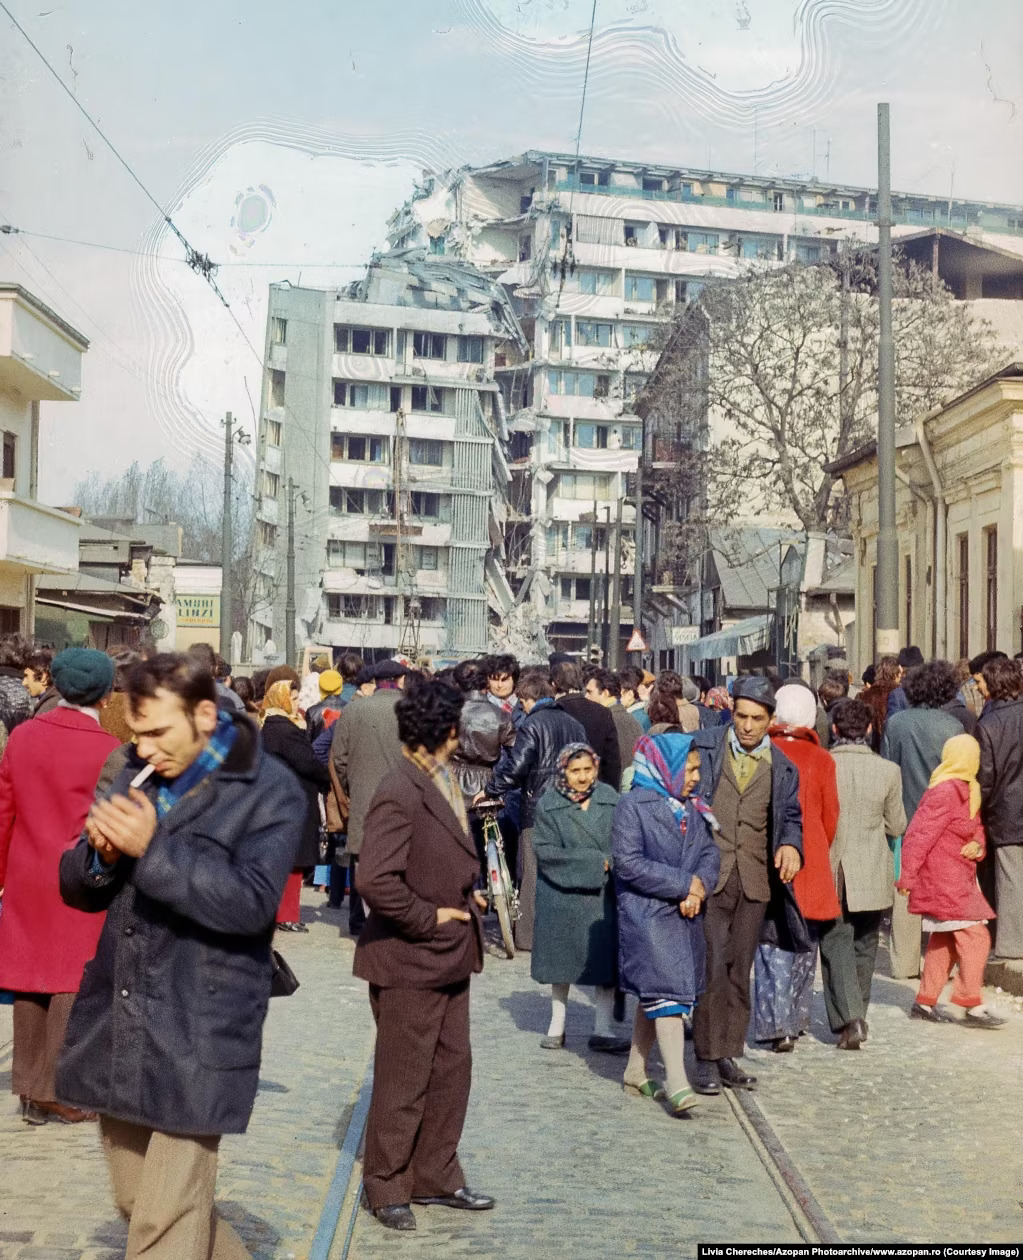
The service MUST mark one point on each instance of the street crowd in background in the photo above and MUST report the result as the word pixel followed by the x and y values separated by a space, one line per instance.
pixel 699 847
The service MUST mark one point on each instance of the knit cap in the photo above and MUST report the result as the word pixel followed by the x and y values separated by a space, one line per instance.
pixel 82 675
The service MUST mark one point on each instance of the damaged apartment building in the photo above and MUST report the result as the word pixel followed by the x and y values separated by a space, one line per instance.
pixel 597 254
pixel 382 423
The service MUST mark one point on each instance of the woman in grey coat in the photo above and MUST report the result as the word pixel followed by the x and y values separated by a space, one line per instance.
pixel 575 938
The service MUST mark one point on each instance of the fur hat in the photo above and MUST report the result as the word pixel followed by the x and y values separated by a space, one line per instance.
pixel 82 675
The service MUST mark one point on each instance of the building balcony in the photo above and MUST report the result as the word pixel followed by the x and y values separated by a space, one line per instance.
pixel 35 538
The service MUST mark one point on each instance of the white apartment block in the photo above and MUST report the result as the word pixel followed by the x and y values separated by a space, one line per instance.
pixel 381 410
pixel 595 255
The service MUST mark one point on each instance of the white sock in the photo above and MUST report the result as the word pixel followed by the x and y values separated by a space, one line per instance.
pixel 559 1010
pixel 603 1005
pixel 977 1010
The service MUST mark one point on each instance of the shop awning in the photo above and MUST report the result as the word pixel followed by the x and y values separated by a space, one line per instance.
pixel 743 639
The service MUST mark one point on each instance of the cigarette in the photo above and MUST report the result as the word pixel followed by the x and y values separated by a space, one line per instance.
pixel 141 777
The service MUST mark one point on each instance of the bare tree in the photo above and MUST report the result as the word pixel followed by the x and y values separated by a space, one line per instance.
pixel 773 375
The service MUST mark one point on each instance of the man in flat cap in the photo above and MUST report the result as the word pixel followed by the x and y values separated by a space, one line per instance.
pixel 753 790
pixel 365 746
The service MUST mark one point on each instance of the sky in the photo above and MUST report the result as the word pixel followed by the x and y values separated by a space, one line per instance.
pixel 278 139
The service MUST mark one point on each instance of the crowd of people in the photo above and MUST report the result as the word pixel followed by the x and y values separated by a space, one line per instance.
pixel 697 847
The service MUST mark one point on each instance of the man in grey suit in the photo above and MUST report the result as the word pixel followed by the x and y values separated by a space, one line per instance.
pixel 364 748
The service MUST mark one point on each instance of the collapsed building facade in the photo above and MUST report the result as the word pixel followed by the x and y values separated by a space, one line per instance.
pixel 566 270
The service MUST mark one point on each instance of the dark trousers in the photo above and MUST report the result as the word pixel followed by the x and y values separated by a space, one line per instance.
pixel 40 1021
pixel 336 883
pixel 848 954
pixel 731 926
pixel 527 893
pixel 356 910
pixel 422 1074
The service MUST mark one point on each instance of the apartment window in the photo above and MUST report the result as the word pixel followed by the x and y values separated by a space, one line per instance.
pixel 640 288
pixel 600 283
pixel 702 242
pixel 762 247
pixel 470 349
pixel 635 334
pixel 276 388
pixel 436 244
pixel 271 484
pixel 267 534
pixel 809 251
pixel 428 559
pixel 991 588
pixel 632 231
pixel 10 456
pixel 652 184
pixel 426 451
pixel 427 398
pixel 583 486
pixel 634 386
pixel 909 599
pixel 779 201
pixel 10 620
pixel 425 506
pixel 963 549
pixel 525 247
pixel 731 195
pixel 560 336
pixel 595 179
pixel 687 190
pixel 582 588
pixel 273 432
pixel 588 333
pixel 431 609
pixel 278 331
pixel 359 448
pixel 429 345
pixel 348 340
pixel 347 501
pixel 686 289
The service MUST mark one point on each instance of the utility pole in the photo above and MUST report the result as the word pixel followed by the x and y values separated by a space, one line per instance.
pixel 616 594
pixel 605 643
pixel 289 606
pixel 637 579
pixel 887 633
pixel 226 542
pixel 592 631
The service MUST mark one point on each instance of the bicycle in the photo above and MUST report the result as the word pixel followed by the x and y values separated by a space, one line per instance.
pixel 501 891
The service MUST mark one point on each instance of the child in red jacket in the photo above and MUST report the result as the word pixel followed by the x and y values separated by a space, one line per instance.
pixel 940 852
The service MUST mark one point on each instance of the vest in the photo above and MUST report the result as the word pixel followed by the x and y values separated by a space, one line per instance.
pixel 743 836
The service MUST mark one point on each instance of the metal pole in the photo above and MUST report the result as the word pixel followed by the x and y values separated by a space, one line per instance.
pixel 616 594
pixel 604 640
pixel 591 636
pixel 226 544
pixel 637 578
pixel 289 607
pixel 887 640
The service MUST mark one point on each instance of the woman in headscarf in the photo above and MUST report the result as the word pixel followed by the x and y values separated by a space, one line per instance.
pixel 284 737
pixel 940 852
pixel 575 938
pixel 720 702
pixel 783 979
pixel 666 863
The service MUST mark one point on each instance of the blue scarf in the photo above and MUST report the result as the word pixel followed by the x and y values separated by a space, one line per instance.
pixel 210 759
pixel 659 763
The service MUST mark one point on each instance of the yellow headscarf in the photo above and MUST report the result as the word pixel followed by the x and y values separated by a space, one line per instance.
pixel 277 702
pixel 960 759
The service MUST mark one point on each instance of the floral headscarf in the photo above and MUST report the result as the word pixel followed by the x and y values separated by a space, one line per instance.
pixel 567 755
pixel 718 698
pixel 278 702
pixel 659 763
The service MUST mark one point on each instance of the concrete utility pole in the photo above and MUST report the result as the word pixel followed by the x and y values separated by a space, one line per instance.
pixel 616 594
pixel 887 629
pixel 591 637
pixel 226 543
pixel 637 580
pixel 289 606
pixel 605 642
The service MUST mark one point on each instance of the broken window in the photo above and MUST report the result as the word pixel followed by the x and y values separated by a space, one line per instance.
pixel 395 398
pixel 273 432
pixel 276 388
pixel 470 349
pixel 595 179
pixel 359 448
pixel 631 234
pixel 702 242
pixel 652 184
pixel 429 345
pixel 278 331
pixel 425 506
pixel 601 386
pixel 427 398
pixel 525 247
pixel 426 451
pixel 582 588
pixel 267 534
pixel 436 244
pixel 640 288
pixel 588 333
pixel 271 483
pixel 349 340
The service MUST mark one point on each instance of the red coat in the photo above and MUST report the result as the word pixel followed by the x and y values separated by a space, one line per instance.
pixel 942 884
pixel 47 779
pixel 814 885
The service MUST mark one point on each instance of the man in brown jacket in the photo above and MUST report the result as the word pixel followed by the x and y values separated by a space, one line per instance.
pixel 421 943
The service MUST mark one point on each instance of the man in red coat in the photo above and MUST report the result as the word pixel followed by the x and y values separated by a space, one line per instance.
pixel 47 781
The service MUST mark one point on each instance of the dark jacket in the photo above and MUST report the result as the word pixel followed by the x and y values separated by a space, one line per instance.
pixel 575 940
pixel 316 715
pixel 167 1027
pixel 45 703
pixel 532 760
pixel 288 742
pixel 601 734
pixel 785 925
pixel 660 953
pixel 1000 735
pixel 484 731
pixel 628 730
pixel 364 747
pixel 415 859
pixel 15 702
pixel 913 739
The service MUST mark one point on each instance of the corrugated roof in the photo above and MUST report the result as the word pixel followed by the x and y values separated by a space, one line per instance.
pixel 747 560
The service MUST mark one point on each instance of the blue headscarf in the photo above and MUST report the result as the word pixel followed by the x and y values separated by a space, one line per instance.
pixel 659 763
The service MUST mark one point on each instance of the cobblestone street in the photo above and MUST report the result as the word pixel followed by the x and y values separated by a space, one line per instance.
pixel 914 1138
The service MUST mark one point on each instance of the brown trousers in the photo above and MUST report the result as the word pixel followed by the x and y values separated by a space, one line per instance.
pixel 422 1074
pixel 731 926
pixel 40 1021
pixel 163 1186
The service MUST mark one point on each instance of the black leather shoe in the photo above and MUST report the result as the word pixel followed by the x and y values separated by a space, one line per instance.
pixel 783 1045
pixel 929 1013
pixel 733 1076
pixel 610 1045
pixel 853 1035
pixel 706 1077
pixel 466 1199
pixel 396 1216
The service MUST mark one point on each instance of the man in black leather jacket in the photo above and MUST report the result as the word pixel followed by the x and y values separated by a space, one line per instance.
pixel 530 765
pixel 601 734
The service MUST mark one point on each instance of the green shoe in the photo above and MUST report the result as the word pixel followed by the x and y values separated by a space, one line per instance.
pixel 649 1089
pixel 682 1101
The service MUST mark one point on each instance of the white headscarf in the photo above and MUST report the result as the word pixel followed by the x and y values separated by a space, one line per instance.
pixel 795 705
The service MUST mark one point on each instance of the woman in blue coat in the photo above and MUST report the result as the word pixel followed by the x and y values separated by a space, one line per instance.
pixel 665 862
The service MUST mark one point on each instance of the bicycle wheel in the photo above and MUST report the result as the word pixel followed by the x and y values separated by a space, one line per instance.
pixel 500 895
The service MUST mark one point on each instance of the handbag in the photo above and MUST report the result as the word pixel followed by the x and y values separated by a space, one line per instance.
pixel 283 981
